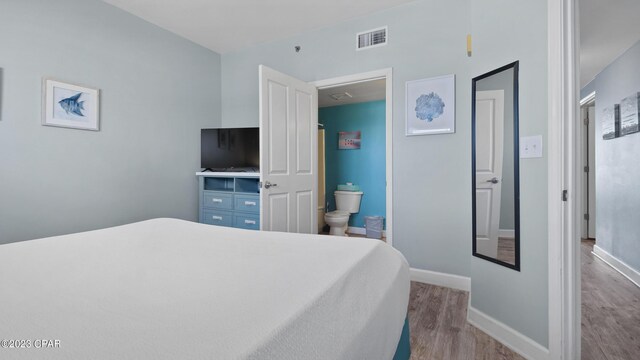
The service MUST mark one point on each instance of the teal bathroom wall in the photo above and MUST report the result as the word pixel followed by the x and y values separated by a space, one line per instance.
pixel 364 167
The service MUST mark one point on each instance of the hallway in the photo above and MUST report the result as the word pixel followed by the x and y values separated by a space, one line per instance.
pixel 610 311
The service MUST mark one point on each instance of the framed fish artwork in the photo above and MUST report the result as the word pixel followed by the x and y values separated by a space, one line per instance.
pixel 70 105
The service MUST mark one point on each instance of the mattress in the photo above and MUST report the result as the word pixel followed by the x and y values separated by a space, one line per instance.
pixel 172 289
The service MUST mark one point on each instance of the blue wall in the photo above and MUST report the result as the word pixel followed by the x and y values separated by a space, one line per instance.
pixel 617 166
pixel 364 167
pixel 432 174
pixel 157 90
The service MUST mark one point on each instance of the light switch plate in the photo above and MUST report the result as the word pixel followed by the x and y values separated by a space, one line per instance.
pixel 531 147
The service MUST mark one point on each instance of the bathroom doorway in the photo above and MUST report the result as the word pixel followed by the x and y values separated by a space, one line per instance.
pixel 354 150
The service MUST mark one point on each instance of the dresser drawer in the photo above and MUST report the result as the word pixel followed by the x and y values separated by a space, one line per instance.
pixel 246 221
pixel 221 218
pixel 248 203
pixel 217 200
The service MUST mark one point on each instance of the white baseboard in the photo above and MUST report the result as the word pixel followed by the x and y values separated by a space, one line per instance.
pixel 624 269
pixel 509 337
pixel 440 279
pixel 507 233
pixel 362 231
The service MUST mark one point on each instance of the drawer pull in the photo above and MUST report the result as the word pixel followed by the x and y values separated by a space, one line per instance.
pixel 215 217
pixel 250 222
pixel 216 200
pixel 250 203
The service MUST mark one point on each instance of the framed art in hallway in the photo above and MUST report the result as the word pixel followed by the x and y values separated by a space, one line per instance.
pixel 70 105
pixel 629 110
pixel 611 122
pixel 430 106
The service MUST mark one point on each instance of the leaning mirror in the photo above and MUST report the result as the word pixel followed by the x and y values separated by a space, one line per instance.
pixel 496 213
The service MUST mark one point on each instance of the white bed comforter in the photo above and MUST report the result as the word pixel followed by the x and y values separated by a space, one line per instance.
pixel 172 289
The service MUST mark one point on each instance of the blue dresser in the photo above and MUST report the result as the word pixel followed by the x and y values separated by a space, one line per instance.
pixel 229 199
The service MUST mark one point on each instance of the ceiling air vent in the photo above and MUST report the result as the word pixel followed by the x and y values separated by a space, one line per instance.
pixel 372 38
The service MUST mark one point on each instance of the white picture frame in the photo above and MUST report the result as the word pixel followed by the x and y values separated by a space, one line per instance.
pixel 431 106
pixel 630 114
pixel 70 105
pixel 610 121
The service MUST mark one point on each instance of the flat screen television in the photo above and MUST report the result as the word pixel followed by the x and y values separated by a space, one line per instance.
pixel 230 149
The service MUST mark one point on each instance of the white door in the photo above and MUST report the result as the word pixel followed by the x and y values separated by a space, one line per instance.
pixel 584 146
pixel 589 174
pixel 489 151
pixel 592 171
pixel 288 159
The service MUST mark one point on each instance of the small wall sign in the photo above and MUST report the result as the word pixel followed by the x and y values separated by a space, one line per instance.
pixel 349 140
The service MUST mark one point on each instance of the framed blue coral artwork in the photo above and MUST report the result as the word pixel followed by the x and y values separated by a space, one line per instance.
pixel 431 106
pixel 70 105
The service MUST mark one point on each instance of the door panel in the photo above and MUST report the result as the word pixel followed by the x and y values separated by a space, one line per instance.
pixel 279 205
pixel 485 137
pixel 304 133
pixel 288 153
pixel 489 158
pixel 483 215
pixel 304 201
pixel 278 129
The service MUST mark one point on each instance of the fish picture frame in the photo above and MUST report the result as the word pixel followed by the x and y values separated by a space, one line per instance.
pixel 70 105
pixel 431 106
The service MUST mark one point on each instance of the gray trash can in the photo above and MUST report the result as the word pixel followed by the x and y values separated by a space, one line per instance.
pixel 374 226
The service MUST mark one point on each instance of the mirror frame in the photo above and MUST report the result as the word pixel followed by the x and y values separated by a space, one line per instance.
pixel 516 165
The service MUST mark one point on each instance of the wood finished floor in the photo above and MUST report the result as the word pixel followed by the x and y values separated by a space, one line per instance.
pixel 507 250
pixel 610 311
pixel 439 328
pixel 610 319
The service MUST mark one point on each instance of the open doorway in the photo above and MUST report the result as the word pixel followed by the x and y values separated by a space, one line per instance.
pixel 354 155
pixel 588 147
pixel 606 139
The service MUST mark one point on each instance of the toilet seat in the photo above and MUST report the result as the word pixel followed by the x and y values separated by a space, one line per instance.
pixel 337 214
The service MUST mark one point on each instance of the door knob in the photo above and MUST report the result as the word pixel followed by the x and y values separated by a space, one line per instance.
pixel 493 181
pixel 267 185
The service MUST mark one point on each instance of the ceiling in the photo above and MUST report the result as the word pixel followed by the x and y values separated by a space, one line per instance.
pixel 360 92
pixel 229 25
pixel 607 29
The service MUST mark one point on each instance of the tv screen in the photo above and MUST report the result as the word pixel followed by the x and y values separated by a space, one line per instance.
pixel 230 149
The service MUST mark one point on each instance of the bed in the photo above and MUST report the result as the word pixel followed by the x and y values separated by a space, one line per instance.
pixel 173 289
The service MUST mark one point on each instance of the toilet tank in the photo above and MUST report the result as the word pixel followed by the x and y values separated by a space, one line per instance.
pixel 348 200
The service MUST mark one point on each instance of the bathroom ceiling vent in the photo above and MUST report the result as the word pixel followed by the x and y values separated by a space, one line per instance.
pixel 372 38
pixel 341 96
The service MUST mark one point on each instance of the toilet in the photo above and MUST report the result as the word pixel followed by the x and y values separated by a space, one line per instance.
pixel 347 203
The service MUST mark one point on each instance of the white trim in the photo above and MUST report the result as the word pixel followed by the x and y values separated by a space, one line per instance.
pixel 440 279
pixel 563 224
pixel 588 99
pixel 509 337
pixel 362 231
pixel 386 74
pixel 627 271
pixel 507 233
